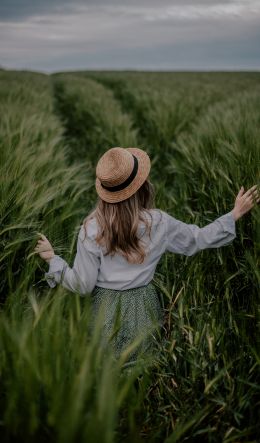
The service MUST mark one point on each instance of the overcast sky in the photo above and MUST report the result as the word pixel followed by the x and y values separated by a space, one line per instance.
pixel 56 35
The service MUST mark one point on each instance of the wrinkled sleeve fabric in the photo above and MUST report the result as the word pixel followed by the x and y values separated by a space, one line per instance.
pixel 82 277
pixel 188 239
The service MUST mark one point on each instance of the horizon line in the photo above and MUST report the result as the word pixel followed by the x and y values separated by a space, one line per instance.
pixel 180 70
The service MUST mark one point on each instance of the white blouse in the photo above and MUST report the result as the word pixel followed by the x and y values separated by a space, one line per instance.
pixel 92 268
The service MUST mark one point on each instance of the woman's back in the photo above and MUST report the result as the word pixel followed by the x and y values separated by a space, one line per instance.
pixel 115 271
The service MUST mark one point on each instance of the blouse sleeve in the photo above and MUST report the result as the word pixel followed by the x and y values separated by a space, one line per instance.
pixel 82 277
pixel 188 239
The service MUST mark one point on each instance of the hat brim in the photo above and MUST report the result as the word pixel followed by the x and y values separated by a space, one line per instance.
pixel 144 166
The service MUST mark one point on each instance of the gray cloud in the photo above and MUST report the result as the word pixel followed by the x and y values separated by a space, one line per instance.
pixel 15 10
pixel 190 34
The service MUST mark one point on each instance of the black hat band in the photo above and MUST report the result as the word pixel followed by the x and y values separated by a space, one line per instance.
pixel 127 181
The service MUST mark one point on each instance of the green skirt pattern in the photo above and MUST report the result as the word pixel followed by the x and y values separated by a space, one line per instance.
pixel 129 315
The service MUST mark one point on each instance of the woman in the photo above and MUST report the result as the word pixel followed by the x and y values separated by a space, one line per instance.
pixel 121 241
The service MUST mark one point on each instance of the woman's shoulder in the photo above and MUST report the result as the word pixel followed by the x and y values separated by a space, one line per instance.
pixel 88 228
pixel 155 215
pixel 158 214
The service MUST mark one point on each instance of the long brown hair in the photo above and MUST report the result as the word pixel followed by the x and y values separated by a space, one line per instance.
pixel 118 223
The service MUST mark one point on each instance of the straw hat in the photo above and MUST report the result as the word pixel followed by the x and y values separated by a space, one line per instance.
pixel 120 172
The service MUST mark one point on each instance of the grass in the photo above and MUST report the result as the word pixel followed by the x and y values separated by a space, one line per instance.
pixel 57 383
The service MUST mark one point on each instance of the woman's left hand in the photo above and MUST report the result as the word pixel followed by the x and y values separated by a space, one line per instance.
pixel 44 248
pixel 245 201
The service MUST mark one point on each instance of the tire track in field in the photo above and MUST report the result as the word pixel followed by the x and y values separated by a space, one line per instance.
pixel 92 118
pixel 148 136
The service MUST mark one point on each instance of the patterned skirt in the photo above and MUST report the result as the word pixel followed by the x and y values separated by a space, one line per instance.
pixel 131 321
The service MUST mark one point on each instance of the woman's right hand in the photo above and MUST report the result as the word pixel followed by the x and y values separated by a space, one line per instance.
pixel 245 201
pixel 44 248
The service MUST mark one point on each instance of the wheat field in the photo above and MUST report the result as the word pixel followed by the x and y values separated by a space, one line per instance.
pixel 202 132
